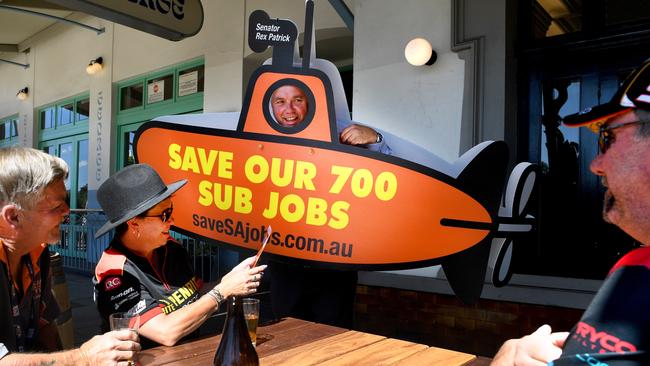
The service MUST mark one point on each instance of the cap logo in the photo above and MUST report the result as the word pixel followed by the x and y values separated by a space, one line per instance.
pixel 585 111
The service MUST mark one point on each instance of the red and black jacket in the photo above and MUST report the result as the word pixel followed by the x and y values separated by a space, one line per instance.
pixel 126 282
pixel 615 328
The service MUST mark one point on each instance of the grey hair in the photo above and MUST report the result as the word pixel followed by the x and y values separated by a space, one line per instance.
pixel 25 173
pixel 644 128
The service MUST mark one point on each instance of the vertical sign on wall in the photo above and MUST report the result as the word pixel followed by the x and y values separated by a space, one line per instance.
pixel 99 124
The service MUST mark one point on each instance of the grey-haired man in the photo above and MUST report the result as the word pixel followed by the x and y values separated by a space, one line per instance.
pixel 32 206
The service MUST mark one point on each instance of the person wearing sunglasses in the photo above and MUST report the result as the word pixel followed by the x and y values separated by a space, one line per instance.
pixel 613 329
pixel 147 273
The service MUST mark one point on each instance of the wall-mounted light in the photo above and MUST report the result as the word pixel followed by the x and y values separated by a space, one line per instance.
pixel 94 66
pixel 419 52
pixel 22 93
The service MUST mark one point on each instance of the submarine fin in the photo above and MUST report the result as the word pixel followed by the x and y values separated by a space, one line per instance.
pixel 483 176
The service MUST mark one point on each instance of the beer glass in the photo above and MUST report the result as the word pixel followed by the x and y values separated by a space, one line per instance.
pixel 120 321
pixel 252 316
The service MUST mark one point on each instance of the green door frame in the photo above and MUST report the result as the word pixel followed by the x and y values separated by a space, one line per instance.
pixel 129 120
pixel 73 176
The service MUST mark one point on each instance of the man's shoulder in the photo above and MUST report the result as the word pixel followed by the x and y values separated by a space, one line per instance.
pixel 637 257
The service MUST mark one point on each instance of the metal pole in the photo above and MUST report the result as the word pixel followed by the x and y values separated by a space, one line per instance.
pixel 344 12
pixel 58 19
pixel 14 63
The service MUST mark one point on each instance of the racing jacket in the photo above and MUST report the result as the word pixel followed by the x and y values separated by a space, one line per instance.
pixel 614 330
pixel 126 282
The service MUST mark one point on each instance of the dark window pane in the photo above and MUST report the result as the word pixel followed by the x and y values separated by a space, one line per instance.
pixel 160 89
pixel 4 133
pixel 191 81
pixel 65 114
pixel 82 174
pixel 128 148
pixel 131 96
pixel 83 109
pixel 626 11
pixel 47 118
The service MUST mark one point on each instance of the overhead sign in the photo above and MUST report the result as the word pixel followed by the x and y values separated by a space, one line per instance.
pixel 169 19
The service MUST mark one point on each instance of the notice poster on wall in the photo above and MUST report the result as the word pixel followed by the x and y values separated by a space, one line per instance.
pixel 188 83
pixel 155 91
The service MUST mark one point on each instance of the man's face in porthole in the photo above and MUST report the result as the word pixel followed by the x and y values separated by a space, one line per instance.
pixel 289 105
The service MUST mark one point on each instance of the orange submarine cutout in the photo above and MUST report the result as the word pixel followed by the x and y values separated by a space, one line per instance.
pixel 330 204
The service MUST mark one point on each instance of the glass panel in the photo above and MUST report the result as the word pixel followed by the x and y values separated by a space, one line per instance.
pixel 82 174
pixel 131 96
pixel 128 148
pixel 14 128
pixel 4 131
pixel 160 89
pixel 83 109
pixel 50 149
pixel 65 114
pixel 626 11
pixel 552 18
pixel 191 81
pixel 66 153
pixel 47 118
pixel 571 135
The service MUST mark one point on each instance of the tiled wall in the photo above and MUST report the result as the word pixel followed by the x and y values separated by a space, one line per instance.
pixel 443 321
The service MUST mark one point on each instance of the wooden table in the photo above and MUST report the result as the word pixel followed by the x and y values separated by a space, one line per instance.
pixel 298 342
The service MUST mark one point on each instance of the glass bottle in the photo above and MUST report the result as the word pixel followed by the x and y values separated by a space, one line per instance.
pixel 235 348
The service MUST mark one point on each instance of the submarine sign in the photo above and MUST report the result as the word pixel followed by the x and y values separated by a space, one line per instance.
pixel 281 163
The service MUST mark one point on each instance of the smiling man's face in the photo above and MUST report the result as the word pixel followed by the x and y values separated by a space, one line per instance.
pixel 289 105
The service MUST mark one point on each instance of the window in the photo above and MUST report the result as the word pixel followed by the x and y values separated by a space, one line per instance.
pixel 64 133
pixel 552 18
pixel 562 74
pixel 83 109
pixel 173 90
pixel 131 96
pixel 9 131
pixel 60 116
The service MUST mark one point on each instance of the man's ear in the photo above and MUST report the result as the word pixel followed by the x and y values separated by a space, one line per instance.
pixel 10 214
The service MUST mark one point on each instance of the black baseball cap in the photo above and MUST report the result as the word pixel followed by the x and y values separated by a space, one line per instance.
pixel 634 93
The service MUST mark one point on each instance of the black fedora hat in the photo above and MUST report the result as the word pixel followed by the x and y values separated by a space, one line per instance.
pixel 130 192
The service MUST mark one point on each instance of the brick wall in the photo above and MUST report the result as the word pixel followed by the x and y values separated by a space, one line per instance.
pixel 444 321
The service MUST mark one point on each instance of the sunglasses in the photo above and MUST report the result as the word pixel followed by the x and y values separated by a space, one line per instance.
pixel 165 215
pixel 606 136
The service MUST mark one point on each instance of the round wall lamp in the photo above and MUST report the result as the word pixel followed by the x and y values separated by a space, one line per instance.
pixel 419 52
pixel 22 93
pixel 94 66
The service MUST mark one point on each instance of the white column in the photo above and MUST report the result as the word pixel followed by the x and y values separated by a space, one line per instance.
pixel 26 119
pixel 100 149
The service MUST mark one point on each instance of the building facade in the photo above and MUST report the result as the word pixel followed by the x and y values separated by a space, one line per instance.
pixel 506 70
